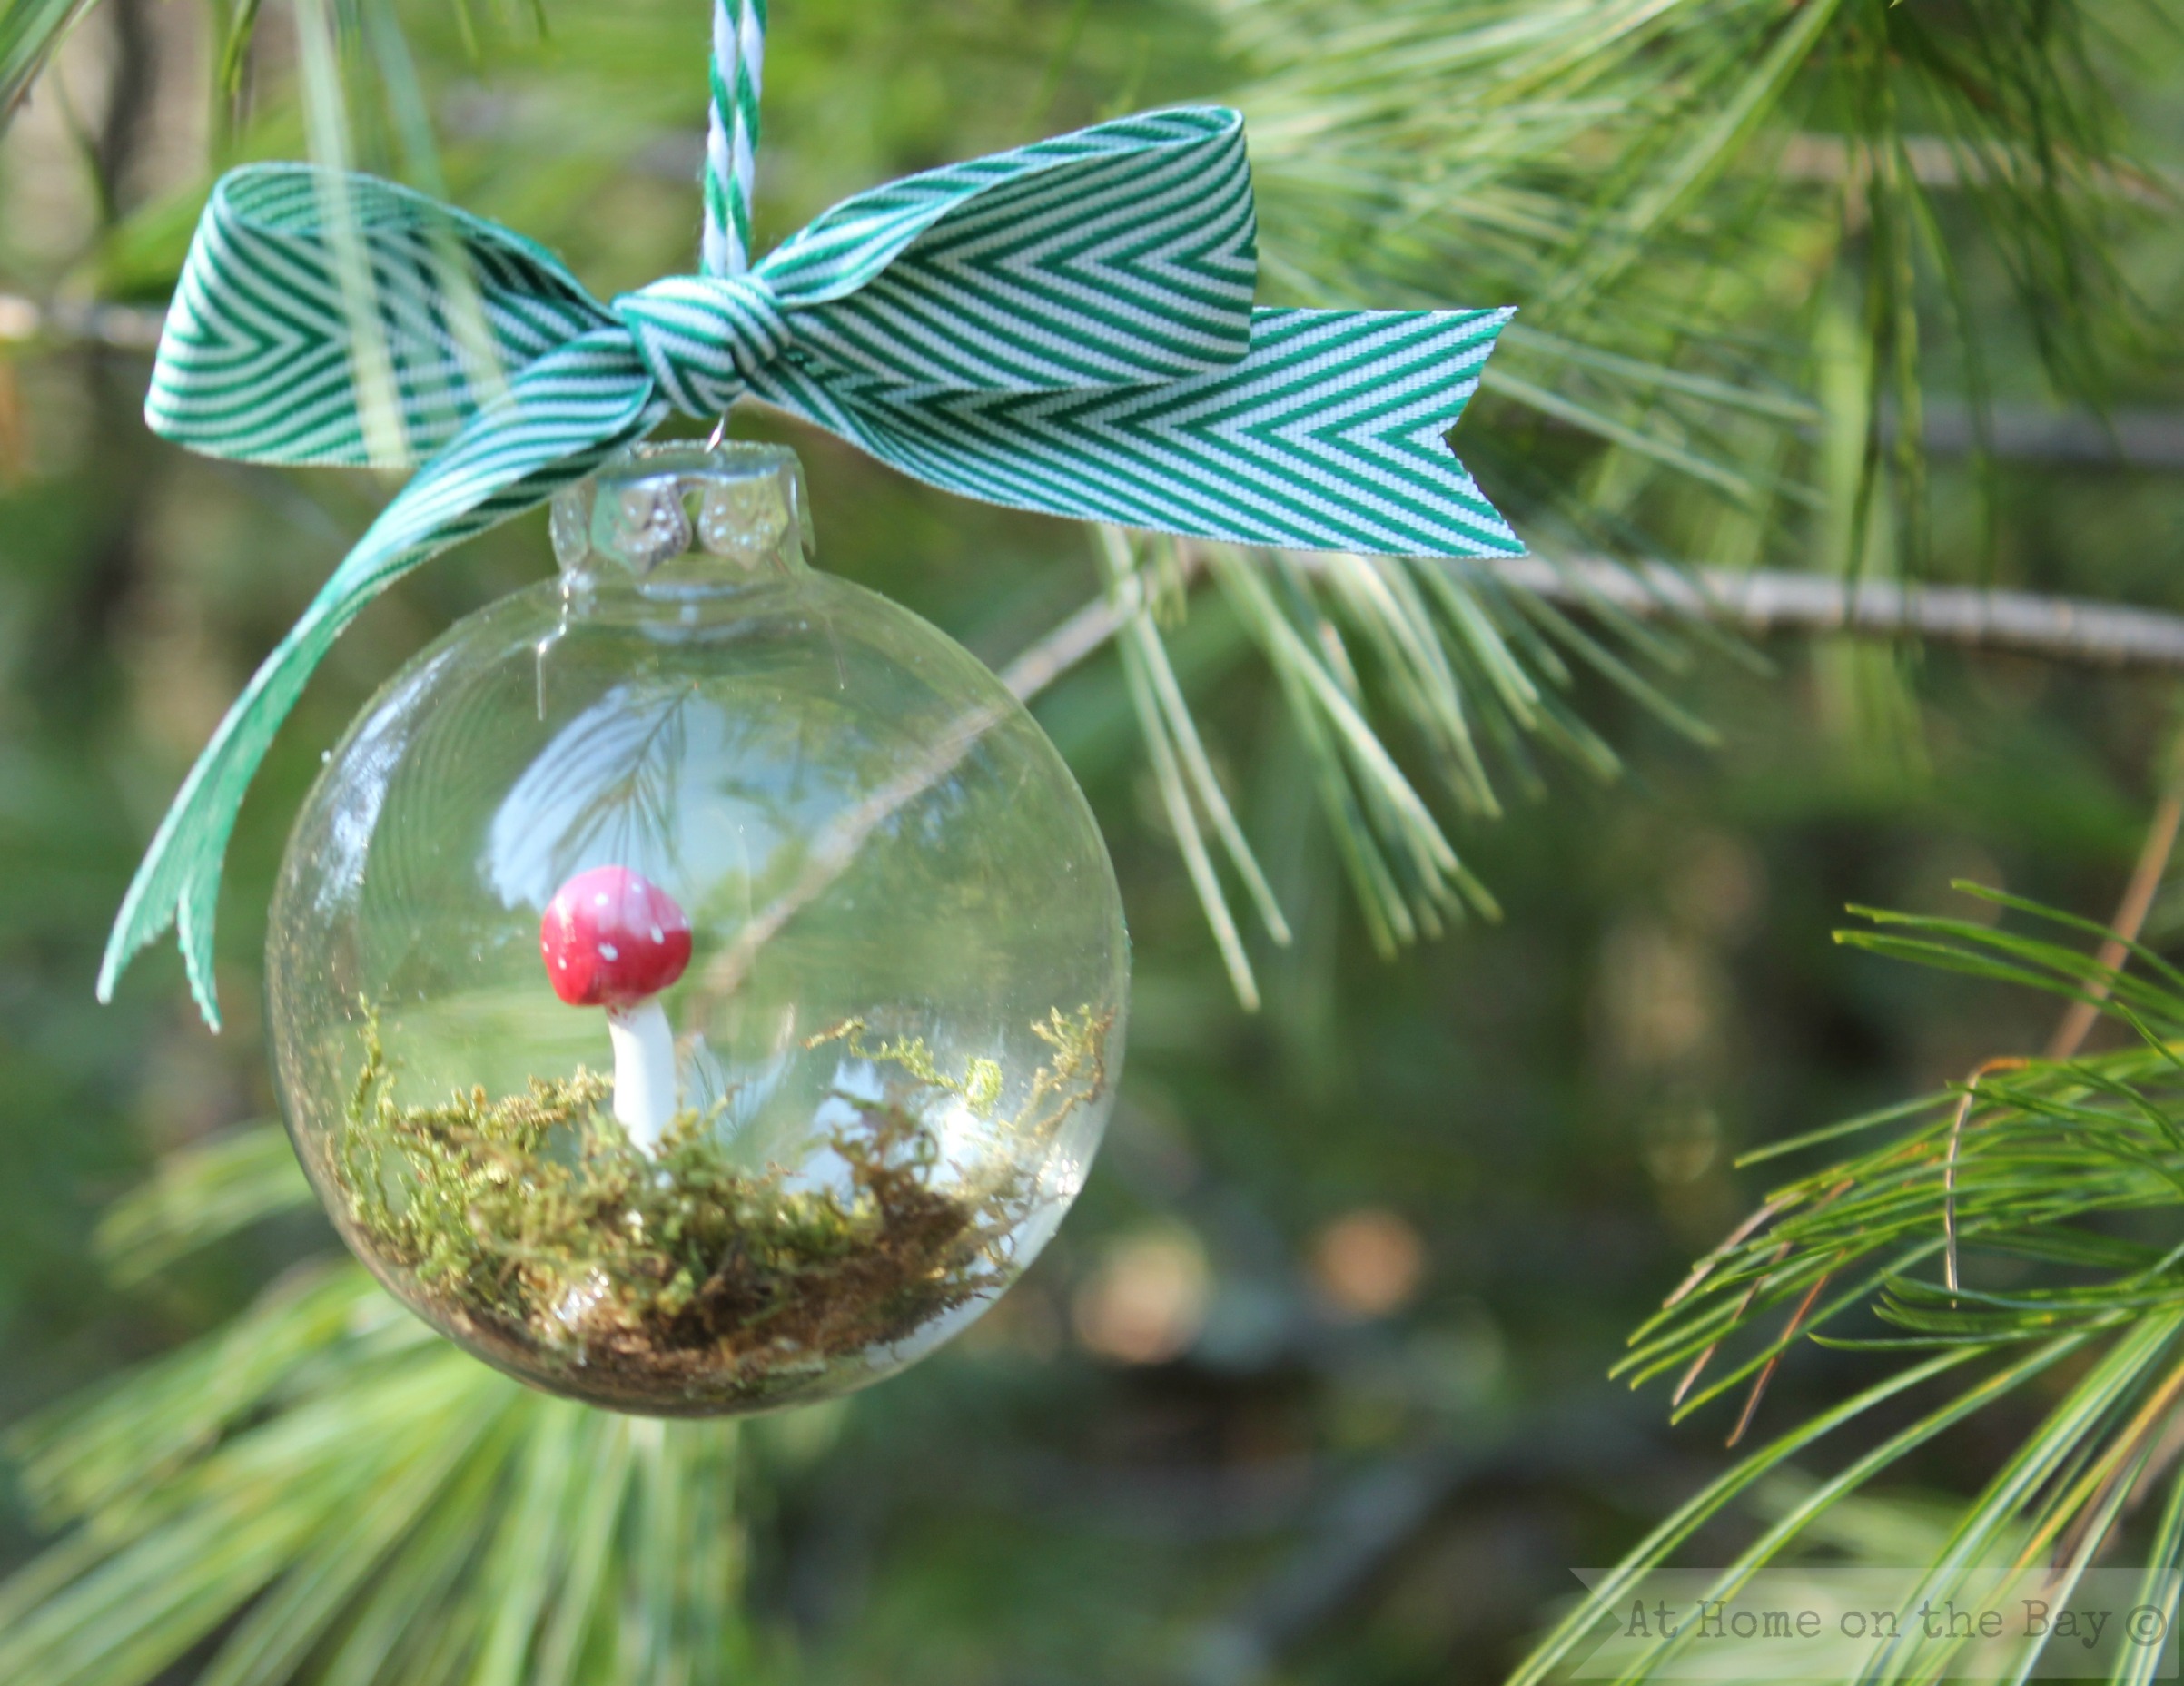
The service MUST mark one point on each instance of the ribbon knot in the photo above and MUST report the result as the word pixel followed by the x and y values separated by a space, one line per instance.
pixel 1066 328
pixel 703 338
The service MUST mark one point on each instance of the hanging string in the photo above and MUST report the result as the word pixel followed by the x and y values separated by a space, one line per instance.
pixel 732 133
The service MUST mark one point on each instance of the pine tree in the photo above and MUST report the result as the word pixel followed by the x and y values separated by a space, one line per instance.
pixel 1754 242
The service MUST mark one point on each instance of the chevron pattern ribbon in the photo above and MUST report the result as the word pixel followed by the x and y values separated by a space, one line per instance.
pixel 1066 328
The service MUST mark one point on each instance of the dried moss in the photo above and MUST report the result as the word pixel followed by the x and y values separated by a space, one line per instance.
pixel 532 1227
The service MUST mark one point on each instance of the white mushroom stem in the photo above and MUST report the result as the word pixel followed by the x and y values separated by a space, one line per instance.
pixel 644 1072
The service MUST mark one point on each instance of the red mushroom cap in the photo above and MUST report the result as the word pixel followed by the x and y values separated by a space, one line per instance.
pixel 611 937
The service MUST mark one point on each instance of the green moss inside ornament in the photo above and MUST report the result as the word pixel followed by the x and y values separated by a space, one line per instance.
pixel 539 1228
pixel 784 860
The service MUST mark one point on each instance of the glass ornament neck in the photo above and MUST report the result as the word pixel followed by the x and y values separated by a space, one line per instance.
pixel 683 520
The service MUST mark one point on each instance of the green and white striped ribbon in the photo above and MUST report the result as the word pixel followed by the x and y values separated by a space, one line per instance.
pixel 1067 326
pixel 731 169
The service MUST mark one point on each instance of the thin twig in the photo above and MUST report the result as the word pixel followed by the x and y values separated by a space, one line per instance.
pixel 834 850
pixel 1086 631
pixel 1940 161
pixel 1764 601
pixel 1766 1374
pixel 2005 1062
pixel 64 321
pixel 1773 1208
pixel 1737 1236
pixel 1756 602
pixel 1062 649
pixel 2122 438
pixel 2130 913
pixel 1697 1366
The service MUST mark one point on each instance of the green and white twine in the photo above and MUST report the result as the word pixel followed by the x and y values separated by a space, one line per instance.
pixel 738 77
pixel 1067 326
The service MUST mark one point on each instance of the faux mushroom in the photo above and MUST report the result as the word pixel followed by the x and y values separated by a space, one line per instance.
pixel 612 938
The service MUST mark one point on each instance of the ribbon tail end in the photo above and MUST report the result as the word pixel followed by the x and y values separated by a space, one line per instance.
pixel 133 932
pixel 155 904
pixel 131 935
pixel 1494 537
pixel 197 957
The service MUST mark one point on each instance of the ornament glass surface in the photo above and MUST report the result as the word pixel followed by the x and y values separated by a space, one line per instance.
pixel 696 985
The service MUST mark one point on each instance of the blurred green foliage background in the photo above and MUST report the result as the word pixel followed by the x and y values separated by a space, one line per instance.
pixel 1311 1387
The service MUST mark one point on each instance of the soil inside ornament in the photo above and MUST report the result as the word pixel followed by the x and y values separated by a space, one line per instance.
pixel 536 1230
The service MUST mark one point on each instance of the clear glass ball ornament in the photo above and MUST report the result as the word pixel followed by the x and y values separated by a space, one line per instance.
pixel 696 985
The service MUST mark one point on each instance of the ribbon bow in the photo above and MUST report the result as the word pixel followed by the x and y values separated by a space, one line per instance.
pixel 1065 328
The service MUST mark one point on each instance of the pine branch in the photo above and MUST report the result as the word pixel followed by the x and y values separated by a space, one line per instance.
pixel 2124 437
pixel 2076 437
pixel 2147 874
pixel 1083 634
pixel 1757 602
pixel 1764 600
pixel 1936 160
pixel 72 322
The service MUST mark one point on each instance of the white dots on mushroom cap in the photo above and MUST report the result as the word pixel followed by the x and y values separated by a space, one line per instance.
pixel 609 952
